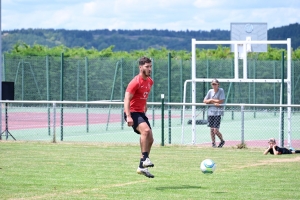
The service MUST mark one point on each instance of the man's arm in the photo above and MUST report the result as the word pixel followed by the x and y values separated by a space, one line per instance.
pixel 212 101
pixel 216 102
pixel 127 98
pixel 274 150
pixel 267 151
pixel 207 101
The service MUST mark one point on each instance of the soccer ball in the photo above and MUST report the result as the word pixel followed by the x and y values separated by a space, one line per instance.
pixel 208 166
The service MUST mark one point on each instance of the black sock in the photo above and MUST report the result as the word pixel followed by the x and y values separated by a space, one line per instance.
pixel 141 163
pixel 297 151
pixel 145 155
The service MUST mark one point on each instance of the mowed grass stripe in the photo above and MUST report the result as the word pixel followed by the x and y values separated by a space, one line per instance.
pixel 42 170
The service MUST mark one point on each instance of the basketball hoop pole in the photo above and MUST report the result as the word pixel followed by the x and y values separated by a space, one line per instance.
pixel 236 77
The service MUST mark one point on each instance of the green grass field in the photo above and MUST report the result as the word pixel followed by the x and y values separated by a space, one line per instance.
pixel 41 170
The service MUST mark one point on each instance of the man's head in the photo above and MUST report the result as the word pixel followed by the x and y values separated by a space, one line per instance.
pixel 272 141
pixel 145 66
pixel 215 83
pixel 144 60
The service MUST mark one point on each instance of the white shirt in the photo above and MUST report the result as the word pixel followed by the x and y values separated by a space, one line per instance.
pixel 212 109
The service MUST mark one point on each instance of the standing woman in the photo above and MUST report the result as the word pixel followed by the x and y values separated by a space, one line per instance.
pixel 215 97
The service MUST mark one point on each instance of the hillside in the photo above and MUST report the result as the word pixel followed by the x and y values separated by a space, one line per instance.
pixel 130 40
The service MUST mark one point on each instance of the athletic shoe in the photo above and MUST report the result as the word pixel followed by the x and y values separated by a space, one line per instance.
pixel 221 144
pixel 145 172
pixel 148 163
pixel 213 145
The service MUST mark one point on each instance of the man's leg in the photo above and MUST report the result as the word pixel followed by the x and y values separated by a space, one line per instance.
pixel 220 136
pixel 146 137
pixel 146 141
pixel 217 132
pixel 213 137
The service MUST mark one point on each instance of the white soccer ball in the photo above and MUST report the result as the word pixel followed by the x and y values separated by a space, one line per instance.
pixel 208 166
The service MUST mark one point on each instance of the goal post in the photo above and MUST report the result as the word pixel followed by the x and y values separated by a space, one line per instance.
pixel 236 78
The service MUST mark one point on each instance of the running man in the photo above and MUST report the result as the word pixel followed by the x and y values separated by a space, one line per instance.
pixel 135 107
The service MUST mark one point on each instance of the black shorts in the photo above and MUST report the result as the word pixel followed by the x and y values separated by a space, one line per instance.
pixel 138 117
pixel 214 121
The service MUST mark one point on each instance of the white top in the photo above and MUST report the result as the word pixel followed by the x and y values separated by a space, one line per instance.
pixel 212 109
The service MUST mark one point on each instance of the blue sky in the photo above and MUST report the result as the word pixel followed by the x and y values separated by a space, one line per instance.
pixel 141 14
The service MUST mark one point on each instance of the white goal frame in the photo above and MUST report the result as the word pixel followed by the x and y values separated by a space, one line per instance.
pixel 237 78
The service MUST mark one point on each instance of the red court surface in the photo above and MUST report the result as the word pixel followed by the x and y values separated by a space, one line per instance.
pixel 29 120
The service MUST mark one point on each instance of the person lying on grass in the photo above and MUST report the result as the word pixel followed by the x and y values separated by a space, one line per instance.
pixel 276 150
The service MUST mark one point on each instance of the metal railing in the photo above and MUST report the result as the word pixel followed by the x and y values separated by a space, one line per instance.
pixel 102 121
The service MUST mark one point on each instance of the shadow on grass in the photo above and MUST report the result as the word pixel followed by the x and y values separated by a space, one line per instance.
pixel 183 187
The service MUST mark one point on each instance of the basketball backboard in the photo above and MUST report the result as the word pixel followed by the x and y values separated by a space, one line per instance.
pixel 249 31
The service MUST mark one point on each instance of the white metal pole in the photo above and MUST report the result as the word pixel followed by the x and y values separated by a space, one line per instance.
pixel 245 61
pixel 193 91
pixel 280 118
pixel 54 123
pixel 289 90
pixel 236 61
pixel 183 112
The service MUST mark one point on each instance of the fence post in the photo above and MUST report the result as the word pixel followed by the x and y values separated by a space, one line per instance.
pixel 242 125
pixel 153 92
pixel 169 99
pixel 181 92
pixel 48 95
pixel 282 100
pixel 54 122
pixel 62 96
pixel 112 93
pixel 86 63
pixel 162 120
pixel 232 93
pixel 23 84
pixel 122 91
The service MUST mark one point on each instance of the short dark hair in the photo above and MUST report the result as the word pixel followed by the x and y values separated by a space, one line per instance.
pixel 215 80
pixel 144 60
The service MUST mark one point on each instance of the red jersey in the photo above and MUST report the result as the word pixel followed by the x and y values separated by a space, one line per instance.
pixel 140 89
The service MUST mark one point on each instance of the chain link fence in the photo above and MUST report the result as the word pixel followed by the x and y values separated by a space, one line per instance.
pixel 50 79
pixel 103 122
pixel 82 79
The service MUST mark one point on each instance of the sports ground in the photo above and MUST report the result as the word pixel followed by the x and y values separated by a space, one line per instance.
pixel 68 170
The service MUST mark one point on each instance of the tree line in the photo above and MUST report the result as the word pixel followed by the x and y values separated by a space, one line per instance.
pixel 93 79
pixel 132 40
pixel 221 52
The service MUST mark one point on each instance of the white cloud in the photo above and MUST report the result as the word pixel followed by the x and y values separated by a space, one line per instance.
pixel 208 3
pixel 145 14
pixel 98 8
